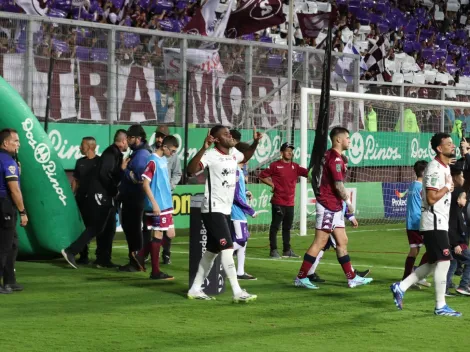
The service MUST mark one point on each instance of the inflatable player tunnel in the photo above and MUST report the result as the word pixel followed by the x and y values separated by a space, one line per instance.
pixel 54 218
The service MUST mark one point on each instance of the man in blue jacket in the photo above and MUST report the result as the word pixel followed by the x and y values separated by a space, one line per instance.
pixel 132 196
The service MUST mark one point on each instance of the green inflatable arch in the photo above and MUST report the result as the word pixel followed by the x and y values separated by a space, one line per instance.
pixel 54 218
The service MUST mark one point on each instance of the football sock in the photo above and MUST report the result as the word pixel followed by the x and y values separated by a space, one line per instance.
pixel 424 259
pixel 419 274
pixel 306 265
pixel 317 261
pixel 241 252
pixel 410 261
pixel 345 262
pixel 205 266
pixel 155 245
pixel 229 268
pixel 440 281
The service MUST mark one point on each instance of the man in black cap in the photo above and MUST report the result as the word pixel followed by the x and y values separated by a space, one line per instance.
pixel 132 196
pixel 282 177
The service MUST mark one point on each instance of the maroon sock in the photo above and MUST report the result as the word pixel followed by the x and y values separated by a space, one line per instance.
pixel 145 250
pixel 424 259
pixel 345 262
pixel 155 255
pixel 306 265
pixel 410 261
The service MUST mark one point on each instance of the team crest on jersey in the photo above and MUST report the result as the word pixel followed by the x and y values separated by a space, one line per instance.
pixel 446 252
pixel 338 167
pixel 223 242
pixel 12 169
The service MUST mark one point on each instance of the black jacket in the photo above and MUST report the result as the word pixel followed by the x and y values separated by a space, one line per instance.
pixel 108 173
pixel 457 224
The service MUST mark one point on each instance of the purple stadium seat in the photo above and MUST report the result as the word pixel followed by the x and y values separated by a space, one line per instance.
pixel 426 53
pixel 441 53
pixel 274 62
pixel 408 47
pixel 410 36
pixel 382 7
pixel 417 46
pixel 99 54
pixel 82 53
pixel 451 68
pixel 425 34
pixel 60 46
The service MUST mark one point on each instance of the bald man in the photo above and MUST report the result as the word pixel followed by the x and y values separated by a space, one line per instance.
pixel 81 183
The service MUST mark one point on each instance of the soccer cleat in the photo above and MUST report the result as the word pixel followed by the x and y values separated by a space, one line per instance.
pixel 463 291
pixel 14 287
pixel 362 273
pixel 424 283
pixel 358 281
pixel 447 311
pixel 450 294
pixel 315 278
pixel 5 290
pixel 161 276
pixel 70 258
pixel 83 260
pixel 274 254
pixel 200 296
pixel 289 254
pixel 244 297
pixel 128 268
pixel 398 295
pixel 166 259
pixel 246 276
pixel 305 283
pixel 105 265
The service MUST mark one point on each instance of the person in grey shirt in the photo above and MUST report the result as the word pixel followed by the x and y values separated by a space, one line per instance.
pixel 175 173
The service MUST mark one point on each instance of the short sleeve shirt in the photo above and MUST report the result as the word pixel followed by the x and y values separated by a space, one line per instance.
pixel 8 172
pixel 333 170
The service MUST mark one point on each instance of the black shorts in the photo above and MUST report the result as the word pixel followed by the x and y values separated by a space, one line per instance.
pixel 437 245
pixel 219 236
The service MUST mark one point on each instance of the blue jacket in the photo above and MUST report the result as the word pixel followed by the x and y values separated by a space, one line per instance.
pixel 131 183
pixel 240 205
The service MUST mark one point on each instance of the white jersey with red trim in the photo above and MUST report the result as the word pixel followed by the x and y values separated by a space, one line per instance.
pixel 435 217
pixel 221 179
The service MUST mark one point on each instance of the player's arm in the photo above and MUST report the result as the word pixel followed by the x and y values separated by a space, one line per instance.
pixel 433 194
pixel 75 185
pixel 265 177
pixel 302 172
pixel 248 154
pixel 147 176
pixel 195 165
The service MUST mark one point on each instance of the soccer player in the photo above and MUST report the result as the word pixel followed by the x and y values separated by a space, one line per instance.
pixel 413 217
pixel 434 226
pixel 158 205
pixel 329 212
pixel 240 209
pixel 282 177
pixel 221 165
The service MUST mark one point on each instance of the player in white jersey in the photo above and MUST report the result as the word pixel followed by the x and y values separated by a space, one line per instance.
pixel 220 164
pixel 437 188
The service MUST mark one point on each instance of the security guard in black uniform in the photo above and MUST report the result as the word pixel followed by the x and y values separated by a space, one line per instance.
pixel 11 200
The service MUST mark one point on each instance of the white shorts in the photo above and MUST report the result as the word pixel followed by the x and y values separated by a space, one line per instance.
pixel 328 220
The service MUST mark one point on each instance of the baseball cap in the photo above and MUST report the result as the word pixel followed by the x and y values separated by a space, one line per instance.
pixel 286 145
pixel 162 131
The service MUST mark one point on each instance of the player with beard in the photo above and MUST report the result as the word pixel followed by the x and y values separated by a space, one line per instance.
pixel 220 164
pixel 434 226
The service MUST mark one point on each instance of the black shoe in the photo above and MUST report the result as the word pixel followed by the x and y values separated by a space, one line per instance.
pixel 246 276
pixel 315 278
pixel 166 259
pixel 274 254
pixel 161 276
pixel 362 273
pixel 105 264
pixel 70 258
pixel 458 272
pixel 289 254
pixel 83 260
pixel 5 290
pixel 14 287
pixel 129 268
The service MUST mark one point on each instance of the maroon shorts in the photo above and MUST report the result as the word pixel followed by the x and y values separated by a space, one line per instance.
pixel 415 239
pixel 162 222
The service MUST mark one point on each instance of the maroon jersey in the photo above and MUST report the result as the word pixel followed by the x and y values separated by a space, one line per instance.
pixel 284 177
pixel 333 170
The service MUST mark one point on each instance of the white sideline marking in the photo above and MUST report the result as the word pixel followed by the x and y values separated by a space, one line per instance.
pixel 282 260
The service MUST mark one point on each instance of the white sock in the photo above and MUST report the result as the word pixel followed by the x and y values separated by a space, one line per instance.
pixel 419 274
pixel 241 260
pixel 440 281
pixel 229 268
pixel 317 261
pixel 205 266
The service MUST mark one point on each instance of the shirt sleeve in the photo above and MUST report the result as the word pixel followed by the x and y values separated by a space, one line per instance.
pixel 431 179
pixel 266 172
pixel 205 160
pixel 238 155
pixel 149 171
pixel 336 167
pixel 11 170
pixel 301 171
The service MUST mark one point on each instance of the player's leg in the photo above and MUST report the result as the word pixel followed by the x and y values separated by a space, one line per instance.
pixel 160 224
pixel 414 240
pixel 240 240
pixel 276 220
pixel 286 228
pixel 342 254
pixel 463 288
pixel 166 253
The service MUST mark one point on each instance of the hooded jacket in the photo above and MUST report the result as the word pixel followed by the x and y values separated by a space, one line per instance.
pixel 457 224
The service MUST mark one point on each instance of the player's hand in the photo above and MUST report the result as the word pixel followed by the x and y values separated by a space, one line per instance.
pixel 355 223
pixel 458 250
pixel 256 135
pixel 23 220
pixel 450 182
pixel 272 189
pixel 156 209
pixel 350 208
pixel 452 161
pixel 255 215
pixel 249 195
pixel 124 163
pixel 208 141
pixel 464 145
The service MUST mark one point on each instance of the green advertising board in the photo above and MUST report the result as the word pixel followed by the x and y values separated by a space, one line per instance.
pixel 367 196
pixel 367 149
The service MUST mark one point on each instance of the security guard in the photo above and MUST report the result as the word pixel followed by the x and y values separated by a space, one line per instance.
pixel 11 200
